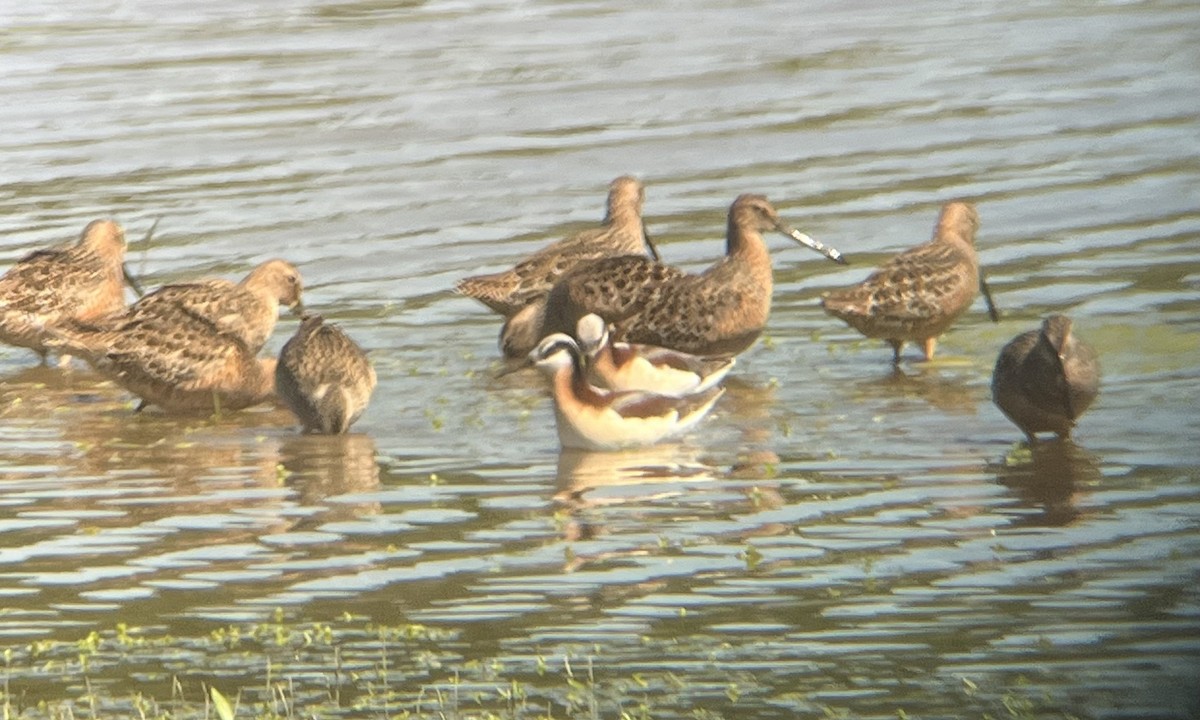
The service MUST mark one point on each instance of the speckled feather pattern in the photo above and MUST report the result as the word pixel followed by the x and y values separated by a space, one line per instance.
pixel 718 312
pixel 623 233
pixel 1045 379
pixel 324 377
pixel 80 282
pixel 179 362
pixel 919 293
pixel 247 310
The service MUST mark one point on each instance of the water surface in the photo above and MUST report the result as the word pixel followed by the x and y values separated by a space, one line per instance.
pixel 838 538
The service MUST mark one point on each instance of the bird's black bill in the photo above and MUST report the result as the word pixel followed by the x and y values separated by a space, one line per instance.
pixel 131 281
pixel 650 244
pixel 993 313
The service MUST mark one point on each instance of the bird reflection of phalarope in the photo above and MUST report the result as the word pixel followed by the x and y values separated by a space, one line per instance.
pixel 718 312
pixel 623 233
pixel 919 293
pixel 621 366
pixel 589 418
pixel 47 288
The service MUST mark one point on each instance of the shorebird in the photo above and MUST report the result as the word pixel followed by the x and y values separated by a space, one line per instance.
pixel 1045 379
pixel 589 418
pixel 80 282
pixel 324 377
pixel 621 366
pixel 622 233
pixel 177 360
pixel 721 311
pixel 919 293
pixel 247 310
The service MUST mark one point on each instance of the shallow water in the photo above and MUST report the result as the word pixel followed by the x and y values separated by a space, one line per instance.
pixel 837 537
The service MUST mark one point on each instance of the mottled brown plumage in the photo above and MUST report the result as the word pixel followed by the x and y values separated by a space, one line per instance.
pixel 919 293
pixel 81 282
pixel 718 312
pixel 622 233
pixel 176 360
pixel 1045 379
pixel 324 377
pixel 247 310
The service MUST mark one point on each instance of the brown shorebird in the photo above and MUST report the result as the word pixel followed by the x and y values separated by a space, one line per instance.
pixel 622 233
pixel 919 293
pixel 622 366
pixel 589 418
pixel 324 377
pixel 718 312
pixel 81 282
pixel 247 310
pixel 1045 379
pixel 177 360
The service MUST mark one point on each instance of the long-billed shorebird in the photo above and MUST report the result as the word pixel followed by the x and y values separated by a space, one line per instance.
pixel 622 366
pixel 81 282
pixel 247 310
pixel 177 360
pixel 918 294
pixel 720 311
pixel 589 418
pixel 324 377
pixel 1045 379
pixel 622 233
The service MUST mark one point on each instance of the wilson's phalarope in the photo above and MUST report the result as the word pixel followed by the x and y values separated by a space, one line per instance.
pixel 589 418
pixel 621 366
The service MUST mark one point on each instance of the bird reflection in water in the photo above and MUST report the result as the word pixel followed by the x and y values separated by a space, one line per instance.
pixel 591 480
pixel 319 467
pixel 1050 481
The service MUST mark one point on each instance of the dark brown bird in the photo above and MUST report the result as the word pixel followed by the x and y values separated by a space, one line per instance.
pixel 1045 379
pixel 919 293
pixel 81 282
pixel 720 311
pixel 324 377
pixel 622 233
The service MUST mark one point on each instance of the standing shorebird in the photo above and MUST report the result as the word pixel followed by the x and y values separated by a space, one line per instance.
pixel 1045 379
pixel 247 310
pixel 622 233
pixel 83 282
pixel 177 360
pixel 324 377
pixel 589 418
pixel 919 293
pixel 721 311
pixel 621 366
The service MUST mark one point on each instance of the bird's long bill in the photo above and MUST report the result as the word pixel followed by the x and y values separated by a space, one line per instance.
pixel 831 253
pixel 993 313
pixel 132 281
pixel 650 244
